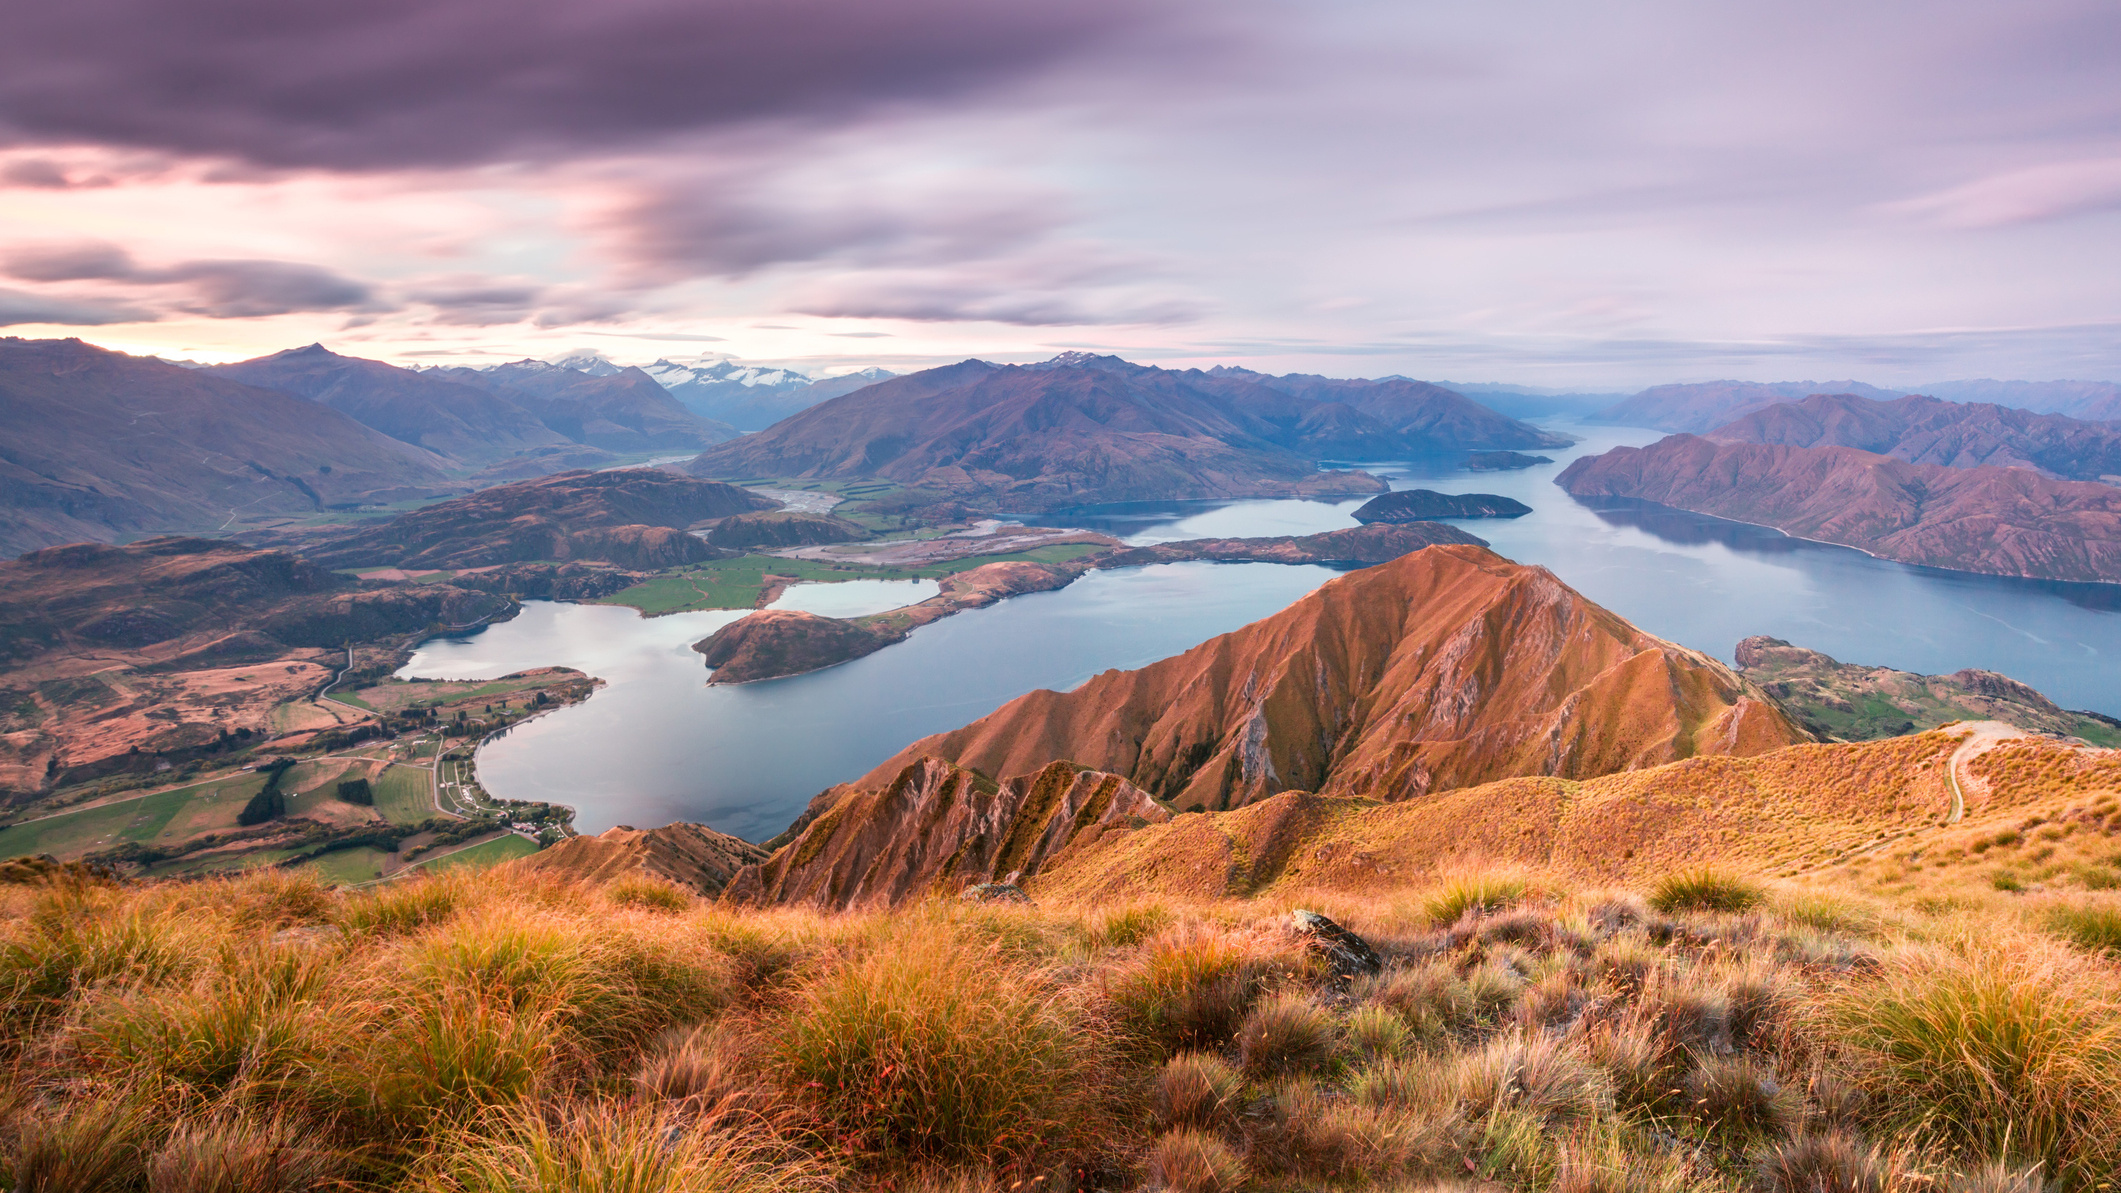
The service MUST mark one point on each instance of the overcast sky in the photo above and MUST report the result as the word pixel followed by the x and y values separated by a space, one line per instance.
pixel 1594 196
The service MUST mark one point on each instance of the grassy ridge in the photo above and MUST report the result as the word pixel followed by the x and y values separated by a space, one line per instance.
pixel 515 1033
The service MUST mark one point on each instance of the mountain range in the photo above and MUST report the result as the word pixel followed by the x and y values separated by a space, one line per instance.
pixel 752 397
pixel 1924 430
pixel 1698 407
pixel 1082 428
pixel 2004 521
pixel 98 445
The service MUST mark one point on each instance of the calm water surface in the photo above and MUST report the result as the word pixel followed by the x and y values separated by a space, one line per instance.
pixel 656 744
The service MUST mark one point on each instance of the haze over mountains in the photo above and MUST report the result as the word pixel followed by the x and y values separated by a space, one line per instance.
pixel 1702 406
pixel 1924 430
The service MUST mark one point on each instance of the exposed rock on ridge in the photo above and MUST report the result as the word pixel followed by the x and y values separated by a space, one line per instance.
pixel 938 828
pixel 1444 668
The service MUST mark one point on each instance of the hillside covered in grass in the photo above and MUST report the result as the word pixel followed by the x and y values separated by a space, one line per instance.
pixel 1492 1029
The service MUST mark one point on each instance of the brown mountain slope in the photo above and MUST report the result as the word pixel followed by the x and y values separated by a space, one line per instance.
pixel 1924 430
pixel 634 516
pixel 690 855
pixel 97 445
pixel 2004 521
pixel 622 411
pixel 1698 407
pixel 1445 668
pixel 466 423
pixel 937 828
pixel 1884 806
pixel 1036 436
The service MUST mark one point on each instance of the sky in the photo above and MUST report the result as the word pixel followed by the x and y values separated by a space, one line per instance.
pixel 1597 197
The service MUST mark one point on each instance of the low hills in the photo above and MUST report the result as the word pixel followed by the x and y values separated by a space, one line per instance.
pixel 1445 668
pixel 2003 521
pixel 635 517
pixel 1082 429
pixel 99 445
pixel 1924 430
pixel 1858 703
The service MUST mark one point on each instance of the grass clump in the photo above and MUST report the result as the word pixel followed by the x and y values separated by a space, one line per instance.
pixel 647 892
pixel 1707 889
pixel 1287 1034
pixel 1477 893
pixel 617 1147
pixel 1188 1161
pixel 1190 989
pixel 2095 929
pixel 1196 1089
pixel 2012 1048
pixel 933 1050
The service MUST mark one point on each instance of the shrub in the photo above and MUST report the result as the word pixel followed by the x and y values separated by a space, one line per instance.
pixel 2095 929
pixel 1834 1162
pixel 648 892
pixel 2008 1048
pixel 237 1155
pixel 1288 1034
pixel 617 1148
pixel 1189 1161
pixel 929 1049
pixel 1706 889
pixel 1190 990
pixel 1196 1089
pixel 1479 893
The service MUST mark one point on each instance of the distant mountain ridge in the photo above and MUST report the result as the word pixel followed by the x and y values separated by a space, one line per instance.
pixel 1082 429
pixel 619 409
pixel 2002 521
pixel 752 397
pixel 1926 430
pixel 1703 406
pixel 98 445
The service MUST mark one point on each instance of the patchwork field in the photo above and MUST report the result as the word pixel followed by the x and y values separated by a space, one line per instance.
pixel 162 818
pixel 504 848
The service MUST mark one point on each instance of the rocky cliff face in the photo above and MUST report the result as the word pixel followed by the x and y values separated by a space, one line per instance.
pixel 2004 521
pixel 1444 668
pixel 938 828
pixel 690 855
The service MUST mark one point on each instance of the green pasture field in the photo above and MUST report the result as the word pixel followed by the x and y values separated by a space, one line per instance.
pixel 343 867
pixel 167 816
pixel 403 794
pixel 736 583
pixel 504 848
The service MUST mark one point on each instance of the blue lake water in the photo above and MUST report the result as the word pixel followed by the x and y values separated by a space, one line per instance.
pixel 657 744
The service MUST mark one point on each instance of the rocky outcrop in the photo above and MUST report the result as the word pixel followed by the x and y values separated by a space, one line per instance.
pixel 1858 703
pixel 773 643
pixel 1444 668
pixel 752 531
pixel 690 855
pixel 2003 521
pixel 934 828
pixel 1925 430
pixel 616 516
pixel 1422 505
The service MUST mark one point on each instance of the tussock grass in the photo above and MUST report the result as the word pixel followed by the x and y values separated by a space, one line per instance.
pixel 2095 928
pixel 472 1033
pixel 2004 1048
pixel 931 1049
pixel 648 892
pixel 1707 889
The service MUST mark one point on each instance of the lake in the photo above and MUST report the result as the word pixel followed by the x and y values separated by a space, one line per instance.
pixel 657 744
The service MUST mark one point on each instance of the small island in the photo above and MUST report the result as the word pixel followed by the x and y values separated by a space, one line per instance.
pixel 1424 505
pixel 1502 461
